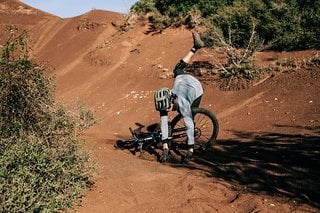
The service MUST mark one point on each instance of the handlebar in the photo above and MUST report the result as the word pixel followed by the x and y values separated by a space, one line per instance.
pixel 144 137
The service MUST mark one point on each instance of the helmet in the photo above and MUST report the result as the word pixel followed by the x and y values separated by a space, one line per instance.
pixel 162 98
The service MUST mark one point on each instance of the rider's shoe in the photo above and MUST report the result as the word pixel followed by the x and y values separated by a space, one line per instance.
pixel 197 42
pixel 186 159
pixel 165 156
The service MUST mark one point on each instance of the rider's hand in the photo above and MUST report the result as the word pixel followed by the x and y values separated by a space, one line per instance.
pixel 165 156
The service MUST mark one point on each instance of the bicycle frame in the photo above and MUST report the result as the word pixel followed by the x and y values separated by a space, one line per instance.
pixel 139 141
pixel 181 129
pixel 206 131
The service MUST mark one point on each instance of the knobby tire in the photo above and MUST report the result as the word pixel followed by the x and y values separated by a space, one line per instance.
pixel 206 128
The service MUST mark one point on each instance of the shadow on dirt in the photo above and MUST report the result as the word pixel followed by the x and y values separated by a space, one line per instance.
pixel 272 163
pixel 285 165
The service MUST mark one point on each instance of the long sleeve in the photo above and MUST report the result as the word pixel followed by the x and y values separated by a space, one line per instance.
pixel 164 127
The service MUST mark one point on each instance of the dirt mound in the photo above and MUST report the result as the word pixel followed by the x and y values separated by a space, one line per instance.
pixel 13 12
pixel 266 157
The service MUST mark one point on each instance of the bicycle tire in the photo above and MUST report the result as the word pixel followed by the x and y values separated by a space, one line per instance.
pixel 206 128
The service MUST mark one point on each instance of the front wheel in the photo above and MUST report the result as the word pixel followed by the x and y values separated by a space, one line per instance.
pixel 206 128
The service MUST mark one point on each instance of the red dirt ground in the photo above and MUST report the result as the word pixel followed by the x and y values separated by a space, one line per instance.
pixel 267 154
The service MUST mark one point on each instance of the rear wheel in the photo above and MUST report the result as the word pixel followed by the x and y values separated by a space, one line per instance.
pixel 206 128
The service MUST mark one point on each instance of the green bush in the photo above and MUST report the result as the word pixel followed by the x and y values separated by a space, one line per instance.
pixel 235 23
pixel 25 96
pixel 281 24
pixel 37 178
pixel 143 6
pixel 43 166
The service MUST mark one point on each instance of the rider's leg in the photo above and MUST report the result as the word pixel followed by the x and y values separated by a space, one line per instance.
pixel 187 58
pixel 188 121
pixel 197 44
pixel 190 124
pixel 196 103
pixel 188 156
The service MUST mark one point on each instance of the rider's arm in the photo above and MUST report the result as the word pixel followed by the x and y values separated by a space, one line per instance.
pixel 164 125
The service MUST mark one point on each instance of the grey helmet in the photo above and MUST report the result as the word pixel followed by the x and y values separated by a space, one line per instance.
pixel 162 98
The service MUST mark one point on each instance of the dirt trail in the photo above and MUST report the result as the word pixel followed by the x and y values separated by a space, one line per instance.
pixel 251 102
pixel 123 50
pixel 259 169
pixel 48 28
pixel 126 183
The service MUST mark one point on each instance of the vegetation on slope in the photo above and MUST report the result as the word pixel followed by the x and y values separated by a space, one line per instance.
pixel 239 28
pixel 42 164
pixel 280 24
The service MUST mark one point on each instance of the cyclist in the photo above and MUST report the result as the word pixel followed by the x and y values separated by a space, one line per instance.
pixel 185 94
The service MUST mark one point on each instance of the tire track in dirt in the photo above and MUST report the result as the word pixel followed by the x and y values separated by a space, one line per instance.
pixel 80 57
pixel 49 29
pixel 251 102
pixel 98 79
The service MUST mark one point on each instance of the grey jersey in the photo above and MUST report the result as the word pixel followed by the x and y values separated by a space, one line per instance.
pixel 187 89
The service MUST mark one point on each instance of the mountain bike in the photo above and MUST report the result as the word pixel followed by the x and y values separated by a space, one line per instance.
pixel 206 128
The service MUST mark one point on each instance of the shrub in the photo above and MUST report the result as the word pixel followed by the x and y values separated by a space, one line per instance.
pixel 235 23
pixel 43 166
pixel 143 6
pixel 25 96
pixel 37 178
pixel 281 24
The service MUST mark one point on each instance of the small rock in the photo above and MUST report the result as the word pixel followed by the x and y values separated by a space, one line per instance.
pixel 162 76
pixel 165 70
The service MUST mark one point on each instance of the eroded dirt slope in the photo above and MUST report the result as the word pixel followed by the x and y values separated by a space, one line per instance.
pixel 267 154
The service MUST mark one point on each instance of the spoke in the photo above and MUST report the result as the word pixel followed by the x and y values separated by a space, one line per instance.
pixel 202 123
pixel 204 129
pixel 205 118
